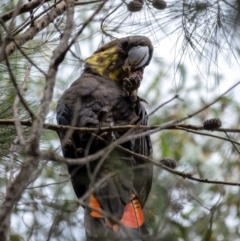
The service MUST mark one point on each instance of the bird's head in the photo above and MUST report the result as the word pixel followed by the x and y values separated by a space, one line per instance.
pixel 120 58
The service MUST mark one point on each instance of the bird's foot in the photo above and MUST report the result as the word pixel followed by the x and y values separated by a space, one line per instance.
pixel 132 82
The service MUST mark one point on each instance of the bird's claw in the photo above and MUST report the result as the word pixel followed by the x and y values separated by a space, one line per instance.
pixel 132 82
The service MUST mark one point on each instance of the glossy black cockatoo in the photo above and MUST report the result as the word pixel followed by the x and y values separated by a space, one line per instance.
pixel 105 95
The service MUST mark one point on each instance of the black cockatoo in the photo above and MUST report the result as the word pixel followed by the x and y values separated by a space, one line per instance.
pixel 104 95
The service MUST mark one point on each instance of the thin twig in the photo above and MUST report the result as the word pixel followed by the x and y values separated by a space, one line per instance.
pixel 32 149
pixel 74 39
pixel 233 143
pixel 28 7
pixel 13 79
pixel 23 25
pixel 207 134
pixel 11 154
pixel 17 122
pixel 32 31
pixel 22 9
pixel 56 59
pixel 87 130
pixel 51 155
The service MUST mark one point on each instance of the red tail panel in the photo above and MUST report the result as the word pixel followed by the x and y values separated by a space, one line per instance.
pixel 93 203
pixel 133 215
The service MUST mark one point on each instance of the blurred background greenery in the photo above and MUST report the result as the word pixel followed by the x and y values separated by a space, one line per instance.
pixel 196 56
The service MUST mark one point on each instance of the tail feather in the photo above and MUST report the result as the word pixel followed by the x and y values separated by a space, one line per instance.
pixel 133 215
pixel 131 225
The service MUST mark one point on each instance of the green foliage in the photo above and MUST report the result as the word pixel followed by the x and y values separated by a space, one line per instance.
pixel 16 237
pixel 192 210
pixel 177 209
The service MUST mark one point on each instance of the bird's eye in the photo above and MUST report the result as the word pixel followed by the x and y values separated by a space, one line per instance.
pixel 124 43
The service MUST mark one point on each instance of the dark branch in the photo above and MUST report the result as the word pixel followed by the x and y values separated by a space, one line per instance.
pixel 22 9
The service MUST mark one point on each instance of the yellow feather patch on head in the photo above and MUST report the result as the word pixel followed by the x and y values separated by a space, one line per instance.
pixel 105 62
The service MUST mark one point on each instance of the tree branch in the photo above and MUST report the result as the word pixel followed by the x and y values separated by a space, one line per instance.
pixel 19 94
pixel 31 162
pixel 18 125
pixel 22 9
pixel 86 130
pixel 32 31
pixel 51 155
pixel 27 7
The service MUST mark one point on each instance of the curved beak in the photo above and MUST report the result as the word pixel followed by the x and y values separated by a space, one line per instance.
pixel 138 56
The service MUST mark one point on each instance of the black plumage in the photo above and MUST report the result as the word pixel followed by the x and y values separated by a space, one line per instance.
pixel 95 100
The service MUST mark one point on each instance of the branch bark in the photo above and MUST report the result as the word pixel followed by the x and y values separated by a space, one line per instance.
pixel 30 164
pixel 22 9
pixel 51 155
pixel 32 31
pixel 53 127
